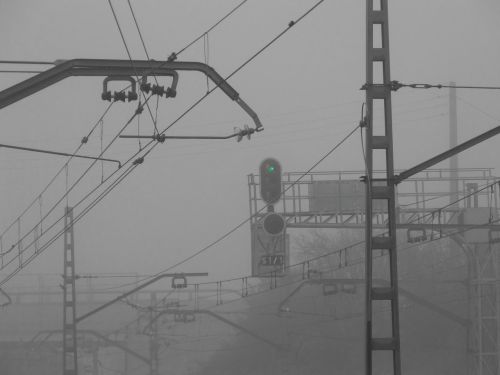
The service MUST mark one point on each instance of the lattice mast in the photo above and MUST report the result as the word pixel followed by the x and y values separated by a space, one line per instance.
pixel 380 188
pixel 70 365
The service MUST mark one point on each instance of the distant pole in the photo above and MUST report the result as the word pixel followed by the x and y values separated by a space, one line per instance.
pixel 153 339
pixel 70 358
pixel 453 143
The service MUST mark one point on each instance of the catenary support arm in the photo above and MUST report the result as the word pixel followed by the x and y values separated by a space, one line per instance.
pixel 105 67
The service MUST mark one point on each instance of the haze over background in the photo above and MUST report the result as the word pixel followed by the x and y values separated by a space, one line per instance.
pixel 305 89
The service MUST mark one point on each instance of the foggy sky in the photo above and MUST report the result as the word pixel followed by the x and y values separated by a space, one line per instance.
pixel 305 89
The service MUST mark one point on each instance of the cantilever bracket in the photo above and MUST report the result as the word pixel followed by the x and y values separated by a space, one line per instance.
pixel 447 154
pixel 106 67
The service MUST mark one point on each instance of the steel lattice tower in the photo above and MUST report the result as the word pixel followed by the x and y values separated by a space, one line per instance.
pixel 381 188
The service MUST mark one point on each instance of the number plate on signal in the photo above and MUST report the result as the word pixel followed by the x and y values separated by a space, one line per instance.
pixel 272 260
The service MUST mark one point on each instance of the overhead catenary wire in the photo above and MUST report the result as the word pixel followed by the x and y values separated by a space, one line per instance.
pixel 175 54
pixel 57 235
pixel 245 221
pixel 396 85
pixel 50 152
pixel 196 103
pixel 354 262
pixel 138 30
pixel 155 120
pixel 441 197
pixel 264 291
pixel 131 60
pixel 239 68
pixel 478 109
pixel 191 107
pixel 65 195
pixel 96 124
pixel 65 166
pixel 255 55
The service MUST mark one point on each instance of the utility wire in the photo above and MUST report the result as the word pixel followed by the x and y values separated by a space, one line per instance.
pixel 109 107
pixel 56 236
pixel 138 29
pixel 245 221
pixel 210 28
pixel 155 120
pixel 74 185
pixel 131 61
pixel 361 260
pixel 478 109
pixel 440 196
pixel 60 170
pixel 396 85
pixel 327 269
pixel 64 167
pixel 246 62
pixel 57 153
pixel 292 23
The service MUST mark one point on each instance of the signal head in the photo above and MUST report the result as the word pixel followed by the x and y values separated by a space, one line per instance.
pixel 270 180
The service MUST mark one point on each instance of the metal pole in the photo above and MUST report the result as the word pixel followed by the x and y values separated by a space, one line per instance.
pixel 70 358
pixel 153 339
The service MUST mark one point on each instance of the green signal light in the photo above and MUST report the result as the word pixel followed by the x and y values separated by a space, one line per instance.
pixel 270 168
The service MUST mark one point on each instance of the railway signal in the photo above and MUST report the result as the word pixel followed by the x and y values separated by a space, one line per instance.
pixel 270 180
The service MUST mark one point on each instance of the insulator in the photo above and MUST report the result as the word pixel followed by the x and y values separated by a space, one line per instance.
pixel 172 57
pixel 157 90
pixel 132 95
pixel 119 96
pixel 248 131
pixel 240 135
pixel 179 282
pixel 85 139
pixel 139 109
pixel 160 138
pixel 138 161
pixel 106 95
pixel 145 87
pixel 170 93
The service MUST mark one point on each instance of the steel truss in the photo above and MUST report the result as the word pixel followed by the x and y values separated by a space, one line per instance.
pixel 483 310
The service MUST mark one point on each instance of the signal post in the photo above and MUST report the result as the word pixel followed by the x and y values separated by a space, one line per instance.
pixel 270 253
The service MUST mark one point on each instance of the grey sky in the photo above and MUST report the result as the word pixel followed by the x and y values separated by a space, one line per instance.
pixel 305 88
